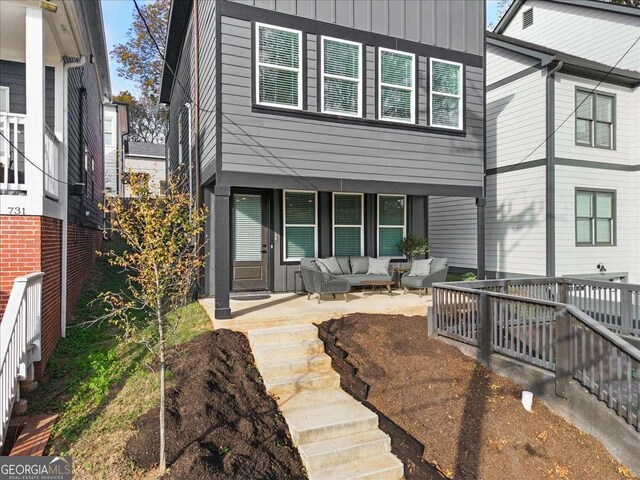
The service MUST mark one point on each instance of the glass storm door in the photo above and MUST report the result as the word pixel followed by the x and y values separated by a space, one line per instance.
pixel 249 242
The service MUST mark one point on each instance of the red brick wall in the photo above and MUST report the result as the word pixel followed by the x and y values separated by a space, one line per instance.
pixel 82 243
pixel 51 265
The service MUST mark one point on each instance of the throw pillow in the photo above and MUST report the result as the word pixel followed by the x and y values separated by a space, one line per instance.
pixel 344 265
pixel 421 268
pixel 359 265
pixel 378 266
pixel 439 264
pixel 330 264
pixel 310 263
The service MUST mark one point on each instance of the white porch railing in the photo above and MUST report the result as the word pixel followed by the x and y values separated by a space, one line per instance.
pixel 19 342
pixel 12 176
pixel 51 163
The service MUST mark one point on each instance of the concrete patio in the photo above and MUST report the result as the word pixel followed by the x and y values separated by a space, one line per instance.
pixel 283 309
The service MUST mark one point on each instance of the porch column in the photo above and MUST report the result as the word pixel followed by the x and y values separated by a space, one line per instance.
pixel 222 250
pixel 480 204
pixel 34 123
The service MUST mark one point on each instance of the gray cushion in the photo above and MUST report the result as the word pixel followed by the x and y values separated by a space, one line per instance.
pixel 415 282
pixel 310 264
pixel 421 268
pixel 357 279
pixel 359 265
pixel 344 265
pixel 439 264
pixel 378 266
pixel 331 265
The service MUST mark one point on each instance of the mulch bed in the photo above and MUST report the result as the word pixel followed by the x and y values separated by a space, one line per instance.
pixel 221 423
pixel 470 419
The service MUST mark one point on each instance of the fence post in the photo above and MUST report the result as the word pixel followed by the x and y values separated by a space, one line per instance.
pixel 485 324
pixel 625 310
pixel 563 292
pixel 563 352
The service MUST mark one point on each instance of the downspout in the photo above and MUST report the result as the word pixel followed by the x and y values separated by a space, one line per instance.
pixel 188 105
pixel 196 65
pixel 65 197
pixel 551 172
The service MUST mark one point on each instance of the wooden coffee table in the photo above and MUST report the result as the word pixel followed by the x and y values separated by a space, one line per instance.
pixel 377 283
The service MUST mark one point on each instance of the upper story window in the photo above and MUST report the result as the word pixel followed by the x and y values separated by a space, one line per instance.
pixel 396 88
pixel 595 119
pixel 527 18
pixel 446 94
pixel 279 66
pixel 341 67
pixel 300 225
pixel 108 132
pixel 595 217
pixel 4 99
pixel 348 224
pixel 392 225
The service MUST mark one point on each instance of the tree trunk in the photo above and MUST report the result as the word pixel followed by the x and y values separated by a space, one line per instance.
pixel 163 457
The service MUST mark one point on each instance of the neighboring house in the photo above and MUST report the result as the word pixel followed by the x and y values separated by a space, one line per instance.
pixel 564 205
pixel 320 128
pixel 147 158
pixel 116 128
pixel 54 78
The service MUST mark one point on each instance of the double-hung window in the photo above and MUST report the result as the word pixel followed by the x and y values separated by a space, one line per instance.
pixel 348 221
pixel 595 123
pixel 4 99
pixel 446 94
pixel 595 217
pixel 341 67
pixel 278 66
pixel 300 224
pixel 108 132
pixel 396 86
pixel 392 224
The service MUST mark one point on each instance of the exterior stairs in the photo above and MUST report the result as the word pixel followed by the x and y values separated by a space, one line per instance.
pixel 337 437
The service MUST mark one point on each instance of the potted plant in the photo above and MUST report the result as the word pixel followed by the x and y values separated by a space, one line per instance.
pixel 413 246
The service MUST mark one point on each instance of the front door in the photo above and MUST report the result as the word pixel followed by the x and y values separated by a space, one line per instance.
pixel 250 234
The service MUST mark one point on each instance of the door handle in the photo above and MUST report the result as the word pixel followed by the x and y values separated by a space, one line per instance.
pixel 264 251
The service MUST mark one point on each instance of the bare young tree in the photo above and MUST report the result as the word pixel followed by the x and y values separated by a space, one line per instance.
pixel 162 261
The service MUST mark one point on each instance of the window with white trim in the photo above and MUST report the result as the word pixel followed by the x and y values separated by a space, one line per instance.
pixel 392 225
pixel 278 66
pixel 348 224
pixel 108 132
pixel 341 75
pixel 595 123
pixel 396 85
pixel 300 232
pixel 595 217
pixel 4 99
pixel 446 94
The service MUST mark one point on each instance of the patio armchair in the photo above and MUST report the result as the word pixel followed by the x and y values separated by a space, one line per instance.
pixel 316 281
pixel 439 271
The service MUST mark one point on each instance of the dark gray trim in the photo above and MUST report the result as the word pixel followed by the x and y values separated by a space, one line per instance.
pixel 517 166
pixel 222 247
pixel 320 184
pixel 218 80
pixel 330 117
pixel 178 23
pixel 481 234
pixel 480 207
pixel 593 130
pixel 571 162
pixel 303 69
pixel 614 217
pixel 550 170
pixel 513 78
pixel 506 42
pixel 319 87
pixel 251 13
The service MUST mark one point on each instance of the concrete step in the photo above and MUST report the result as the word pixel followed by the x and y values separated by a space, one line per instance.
pixel 379 467
pixel 274 368
pixel 286 386
pixel 313 416
pixel 287 350
pixel 324 454
pixel 277 335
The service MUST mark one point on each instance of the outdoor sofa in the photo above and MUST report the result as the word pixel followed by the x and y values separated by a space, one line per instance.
pixel 338 274
pixel 439 268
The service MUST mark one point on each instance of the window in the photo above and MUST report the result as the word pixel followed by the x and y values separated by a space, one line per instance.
pixel 595 217
pixel 348 221
pixel 4 99
pixel 278 70
pixel 300 225
pixel 396 86
pixel 341 77
pixel 527 18
pixel 595 124
pixel 391 224
pixel 108 132
pixel 446 94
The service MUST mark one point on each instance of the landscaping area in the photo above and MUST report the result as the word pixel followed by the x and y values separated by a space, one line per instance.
pixel 470 419
pixel 220 421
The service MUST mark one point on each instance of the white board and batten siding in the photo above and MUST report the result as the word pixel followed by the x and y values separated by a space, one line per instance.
pixel 562 27
pixel 111 153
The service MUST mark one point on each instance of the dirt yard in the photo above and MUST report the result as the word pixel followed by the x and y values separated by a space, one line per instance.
pixel 470 420
pixel 221 424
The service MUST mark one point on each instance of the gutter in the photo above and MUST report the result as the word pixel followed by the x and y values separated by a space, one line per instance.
pixel 65 197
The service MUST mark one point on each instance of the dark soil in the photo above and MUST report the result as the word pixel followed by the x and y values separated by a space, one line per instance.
pixel 221 423
pixel 470 419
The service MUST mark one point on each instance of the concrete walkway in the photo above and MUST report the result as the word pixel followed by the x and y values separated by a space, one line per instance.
pixel 337 437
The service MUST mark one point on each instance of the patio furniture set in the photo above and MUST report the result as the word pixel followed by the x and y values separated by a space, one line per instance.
pixel 334 275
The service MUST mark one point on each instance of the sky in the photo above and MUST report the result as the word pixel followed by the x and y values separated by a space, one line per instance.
pixel 117 18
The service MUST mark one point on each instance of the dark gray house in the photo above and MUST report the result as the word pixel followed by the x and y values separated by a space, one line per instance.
pixel 322 127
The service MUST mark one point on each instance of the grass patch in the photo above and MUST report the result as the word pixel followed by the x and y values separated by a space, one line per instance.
pixel 98 385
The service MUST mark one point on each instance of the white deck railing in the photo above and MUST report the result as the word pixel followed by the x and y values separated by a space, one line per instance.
pixel 12 168
pixel 51 163
pixel 19 342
